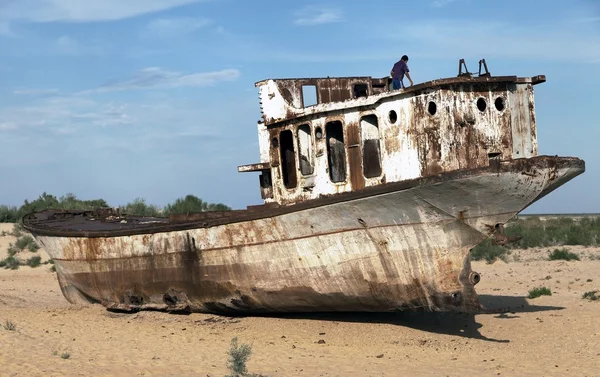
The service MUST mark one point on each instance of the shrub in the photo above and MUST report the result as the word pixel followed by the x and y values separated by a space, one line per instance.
pixel 488 251
pixel 25 242
pixel 12 250
pixel 17 230
pixel 191 204
pixel 10 263
pixel 10 326
pixel 53 268
pixel 33 247
pixel 238 357
pixel 8 214
pixel 591 295
pixel 537 292
pixel 65 355
pixel 139 208
pixel 562 254
pixel 34 261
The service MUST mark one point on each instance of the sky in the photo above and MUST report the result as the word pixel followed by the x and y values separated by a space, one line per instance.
pixel 155 99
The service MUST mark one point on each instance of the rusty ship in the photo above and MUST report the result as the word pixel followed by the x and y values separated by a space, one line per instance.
pixel 373 198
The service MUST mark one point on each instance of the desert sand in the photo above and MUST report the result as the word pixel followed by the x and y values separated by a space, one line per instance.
pixel 556 335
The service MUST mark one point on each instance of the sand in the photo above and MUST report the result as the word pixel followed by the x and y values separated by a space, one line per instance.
pixel 554 335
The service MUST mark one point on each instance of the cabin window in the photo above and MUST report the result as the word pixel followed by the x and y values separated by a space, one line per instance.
pixel 305 150
pixel 288 158
pixel 309 95
pixel 370 136
pixel 361 90
pixel 336 151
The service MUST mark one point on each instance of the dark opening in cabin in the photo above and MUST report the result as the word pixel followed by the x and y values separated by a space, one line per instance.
pixel 305 152
pixel 361 90
pixel 288 158
pixel 336 152
pixel 309 95
pixel 370 135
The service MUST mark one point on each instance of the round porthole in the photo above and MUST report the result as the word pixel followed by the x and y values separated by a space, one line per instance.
pixel 392 116
pixel 432 108
pixel 500 103
pixel 481 104
pixel 275 142
pixel 318 133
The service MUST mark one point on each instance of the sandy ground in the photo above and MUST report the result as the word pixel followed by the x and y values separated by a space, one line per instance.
pixel 554 335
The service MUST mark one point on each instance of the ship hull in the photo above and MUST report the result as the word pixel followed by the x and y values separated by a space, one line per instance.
pixel 396 249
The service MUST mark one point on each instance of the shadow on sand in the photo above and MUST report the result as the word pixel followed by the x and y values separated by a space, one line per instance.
pixel 458 324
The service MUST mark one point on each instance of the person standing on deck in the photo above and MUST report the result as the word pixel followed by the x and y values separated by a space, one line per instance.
pixel 398 72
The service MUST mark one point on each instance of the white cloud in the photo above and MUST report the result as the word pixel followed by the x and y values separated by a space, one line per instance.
pixel 316 15
pixel 172 27
pixel 35 92
pixel 82 10
pixel 441 3
pixel 159 78
pixel 47 109
pixel 70 46
pixel 55 114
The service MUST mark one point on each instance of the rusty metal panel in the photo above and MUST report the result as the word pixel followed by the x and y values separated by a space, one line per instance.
pixel 521 121
pixel 353 144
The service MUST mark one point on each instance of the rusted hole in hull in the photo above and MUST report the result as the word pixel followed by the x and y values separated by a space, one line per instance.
pixel 318 133
pixel 275 142
pixel 500 103
pixel 431 108
pixel 393 117
pixel 481 104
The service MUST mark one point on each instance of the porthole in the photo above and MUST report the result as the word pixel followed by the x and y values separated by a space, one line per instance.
pixel 481 104
pixel 432 108
pixel 393 116
pixel 318 133
pixel 499 103
pixel 275 143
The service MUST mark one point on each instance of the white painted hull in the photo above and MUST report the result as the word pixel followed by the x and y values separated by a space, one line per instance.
pixel 395 250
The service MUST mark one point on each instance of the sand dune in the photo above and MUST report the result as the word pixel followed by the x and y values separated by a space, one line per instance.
pixel 551 336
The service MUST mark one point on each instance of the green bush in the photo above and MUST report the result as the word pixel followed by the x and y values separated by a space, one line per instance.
pixel 591 295
pixel 488 251
pixel 537 292
pixel 238 357
pixel 25 242
pixel 10 263
pixel 10 326
pixel 562 254
pixel 12 250
pixel 34 261
pixel 191 204
pixel 139 208
pixel 555 232
pixel 8 214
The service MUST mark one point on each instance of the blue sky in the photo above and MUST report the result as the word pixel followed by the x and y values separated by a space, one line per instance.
pixel 121 99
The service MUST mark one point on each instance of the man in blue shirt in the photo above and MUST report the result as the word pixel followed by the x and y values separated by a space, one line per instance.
pixel 398 72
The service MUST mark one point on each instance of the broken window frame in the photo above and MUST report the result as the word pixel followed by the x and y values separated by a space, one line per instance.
pixel 370 146
pixel 336 162
pixel 308 168
pixel 287 157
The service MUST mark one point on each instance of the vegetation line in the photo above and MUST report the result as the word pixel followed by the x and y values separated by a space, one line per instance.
pixel 138 207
